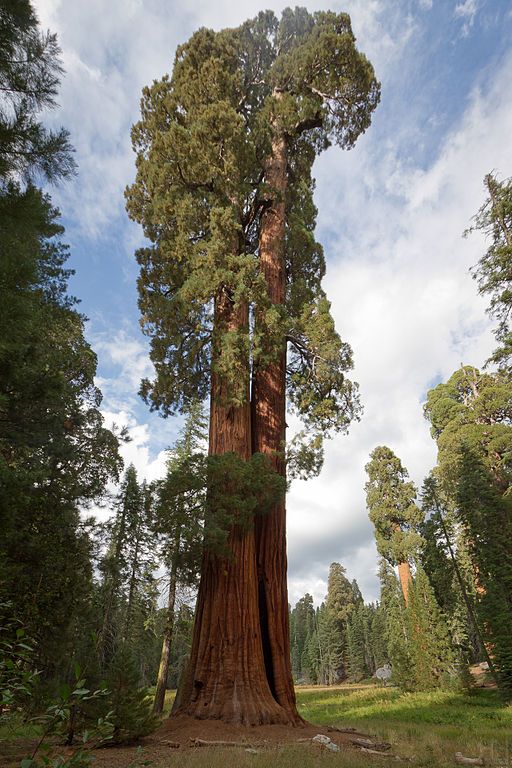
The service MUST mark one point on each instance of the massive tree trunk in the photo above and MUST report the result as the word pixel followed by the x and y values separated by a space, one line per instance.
pixel 404 574
pixel 226 678
pixel 269 427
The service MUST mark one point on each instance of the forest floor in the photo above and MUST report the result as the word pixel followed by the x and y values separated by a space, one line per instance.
pixel 423 729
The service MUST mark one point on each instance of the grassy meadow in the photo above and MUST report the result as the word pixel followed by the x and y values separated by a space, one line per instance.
pixel 426 729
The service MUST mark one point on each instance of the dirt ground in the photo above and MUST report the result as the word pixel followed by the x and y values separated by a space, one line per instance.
pixel 177 735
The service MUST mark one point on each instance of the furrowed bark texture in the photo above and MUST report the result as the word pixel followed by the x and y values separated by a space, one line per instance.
pixel 163 670
pixel 404 574
pixel 269 426
pixel 226 679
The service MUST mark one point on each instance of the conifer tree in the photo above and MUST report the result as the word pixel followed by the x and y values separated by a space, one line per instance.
pixel 393 511
pixel 205 182
pixel 488 518
pixel 492 272
pixel 56 456
pixel 447 564
pixel 433 662
pixel 180 516
pixel 128 587
pixel 474 409
pixel 339 605
pixel 320 89
pixel 302 627
pixel 30 73
pixel 360 651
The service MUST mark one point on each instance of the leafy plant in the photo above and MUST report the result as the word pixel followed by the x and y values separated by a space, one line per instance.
pixel 17 674
pixel 67 719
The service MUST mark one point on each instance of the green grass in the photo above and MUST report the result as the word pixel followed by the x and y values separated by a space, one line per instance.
pixel 428 727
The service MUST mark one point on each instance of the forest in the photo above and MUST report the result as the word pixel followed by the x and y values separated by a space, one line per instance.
pixel 142 617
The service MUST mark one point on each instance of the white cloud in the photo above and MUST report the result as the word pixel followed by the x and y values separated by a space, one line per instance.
pixel 467 11
pixel 402 295
pixel 397 266
pixel 138 450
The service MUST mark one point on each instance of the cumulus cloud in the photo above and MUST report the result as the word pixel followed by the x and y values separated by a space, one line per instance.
pixel 402 295
pixel 391 225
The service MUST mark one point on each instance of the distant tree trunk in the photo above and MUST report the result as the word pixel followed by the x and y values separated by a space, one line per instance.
pixel 226 676
pixel 163 669
pixel 106 632
pixel 404 574
pixel 269 428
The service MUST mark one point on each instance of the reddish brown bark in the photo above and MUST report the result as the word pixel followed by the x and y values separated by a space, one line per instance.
pixel 226 679
pixel 269 427
pixel 404 574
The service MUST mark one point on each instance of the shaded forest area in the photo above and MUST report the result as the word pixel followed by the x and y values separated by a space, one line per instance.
pixel 94 614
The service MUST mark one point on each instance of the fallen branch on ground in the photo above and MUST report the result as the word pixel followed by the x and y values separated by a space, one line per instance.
pixel 378 746
pixel 204 743
pixel 461 760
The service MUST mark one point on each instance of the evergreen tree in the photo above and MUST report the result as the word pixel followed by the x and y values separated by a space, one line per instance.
pixel 127 704
pixel 474 409
pixel 488 518
pixel 360 652
pixel 30 72
pixel 433 662
pixel 302 627
pixel 128 588
pixel 180 517
pixel 55 453
pixel 205 159
pixel 393 511
pixel 446 562
pixel 339 605
pixel 378 645
pixel 492 272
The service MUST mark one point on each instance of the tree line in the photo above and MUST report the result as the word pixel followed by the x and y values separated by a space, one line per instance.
pixel 231 299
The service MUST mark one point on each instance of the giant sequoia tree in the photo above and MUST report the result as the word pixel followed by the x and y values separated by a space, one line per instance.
pixel 230 289
pixel 493 271
pixel 393 511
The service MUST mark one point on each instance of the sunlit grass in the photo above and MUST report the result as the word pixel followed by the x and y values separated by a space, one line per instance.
pixel 426 727
pixel 430 727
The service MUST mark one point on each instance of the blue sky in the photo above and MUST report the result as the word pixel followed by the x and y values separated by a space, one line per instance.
pixel 391 215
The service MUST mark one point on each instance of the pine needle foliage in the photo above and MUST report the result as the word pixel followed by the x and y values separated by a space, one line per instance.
pixel 493 271
pixel 488 518
pixel 390 499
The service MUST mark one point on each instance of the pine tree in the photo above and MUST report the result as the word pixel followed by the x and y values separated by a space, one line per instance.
pixel 488 518
pixel 445 561
pixel 128 588
pixel 30 72
pixel 180 517
pixel 302 626
pixel 358 641
pixel 393 511
pixel 492 272
pixel 339 604
pixel 55 454
pixel 433 662
pixel 128 705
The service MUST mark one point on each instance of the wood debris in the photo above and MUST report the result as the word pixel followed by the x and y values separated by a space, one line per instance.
pixel 461 760
pixel 376 746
